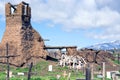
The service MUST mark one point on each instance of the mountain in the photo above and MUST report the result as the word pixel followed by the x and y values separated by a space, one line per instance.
pixel 106 46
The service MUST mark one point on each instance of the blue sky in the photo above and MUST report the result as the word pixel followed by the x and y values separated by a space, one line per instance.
pixel 72 22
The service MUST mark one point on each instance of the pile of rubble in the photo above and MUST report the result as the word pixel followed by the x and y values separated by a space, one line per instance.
pixel 97 57
pixel 88 56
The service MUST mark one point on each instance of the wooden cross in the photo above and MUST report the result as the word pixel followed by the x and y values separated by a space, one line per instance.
pixel 88 72
pixel 30 68
pixel 7 58
pixel 65 74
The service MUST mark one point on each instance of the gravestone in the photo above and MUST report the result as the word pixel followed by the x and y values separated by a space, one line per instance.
pixel 10 74
pixel 58 77
pixel 117 76
pixel 50 68
pixel 30 70
pixel 113 76
pixel 64 74
pixel 99 76
pixel 20 74
pixel 108 74
pixel 69 76
pixel 104 72
pixel 88 73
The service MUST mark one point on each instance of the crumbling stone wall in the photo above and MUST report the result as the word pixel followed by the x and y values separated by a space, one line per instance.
pixel 71 50
pixel 23 40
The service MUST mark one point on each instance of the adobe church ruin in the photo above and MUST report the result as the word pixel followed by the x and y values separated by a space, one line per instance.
pixel 23 40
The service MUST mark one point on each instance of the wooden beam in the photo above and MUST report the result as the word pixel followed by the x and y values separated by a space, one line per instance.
pixel 59 47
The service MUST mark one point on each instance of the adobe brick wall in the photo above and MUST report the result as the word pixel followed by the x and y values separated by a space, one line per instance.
pixel 23 40
pixel 71 51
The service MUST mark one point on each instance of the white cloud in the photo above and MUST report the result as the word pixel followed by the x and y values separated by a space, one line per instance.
pixel 76 14
pixel 107 37
pixel 116 29
pixel 2 7
pixel 110 33
pixel 107 17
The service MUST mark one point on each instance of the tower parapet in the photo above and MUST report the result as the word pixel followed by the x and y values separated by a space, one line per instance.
pixel 20 13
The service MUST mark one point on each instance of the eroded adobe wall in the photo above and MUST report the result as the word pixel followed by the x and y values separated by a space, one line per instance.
pixel 71 51
pixel 23 40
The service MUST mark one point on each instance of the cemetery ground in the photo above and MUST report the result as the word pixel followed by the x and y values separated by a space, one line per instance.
pixel 40 72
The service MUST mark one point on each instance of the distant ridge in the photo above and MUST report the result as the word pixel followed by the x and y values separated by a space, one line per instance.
pixel 106 46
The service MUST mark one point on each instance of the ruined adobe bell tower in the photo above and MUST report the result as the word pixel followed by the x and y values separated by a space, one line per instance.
pixel 23 40
pixel 17 17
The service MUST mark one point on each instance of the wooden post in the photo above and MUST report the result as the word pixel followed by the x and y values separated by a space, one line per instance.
pixel 104 72
pixel 92 71
pixel 118 57
pixel 88 73
pixel 8 67
pixel 30 68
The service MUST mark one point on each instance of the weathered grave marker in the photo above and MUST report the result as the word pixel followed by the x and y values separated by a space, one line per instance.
pixel 69 76
pixel 92 71
pixel 10 73
pixel 64 74
pixel 50 68
pixel 30 68
pixel 20 74
pixel 58 77
pixel 113 76
pixel 108 74
pixel 88 73
pixel 104 72
pixel 117 76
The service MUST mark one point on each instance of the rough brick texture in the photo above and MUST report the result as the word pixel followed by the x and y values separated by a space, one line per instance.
pixel 23 40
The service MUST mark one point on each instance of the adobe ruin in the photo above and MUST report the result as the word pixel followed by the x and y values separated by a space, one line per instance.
pixel 23 40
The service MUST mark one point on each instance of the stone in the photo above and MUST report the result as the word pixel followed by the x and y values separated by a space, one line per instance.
pixel 117 76
pixel 99 76
pixel 20 74
pixel 50 68
pixel 104 71
pixel 113 76
pixel 58 77
pixel 10 73
pixel 22 38
pixel 108 74
pixel 64 74
pixel 71 50
pixel 68 78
